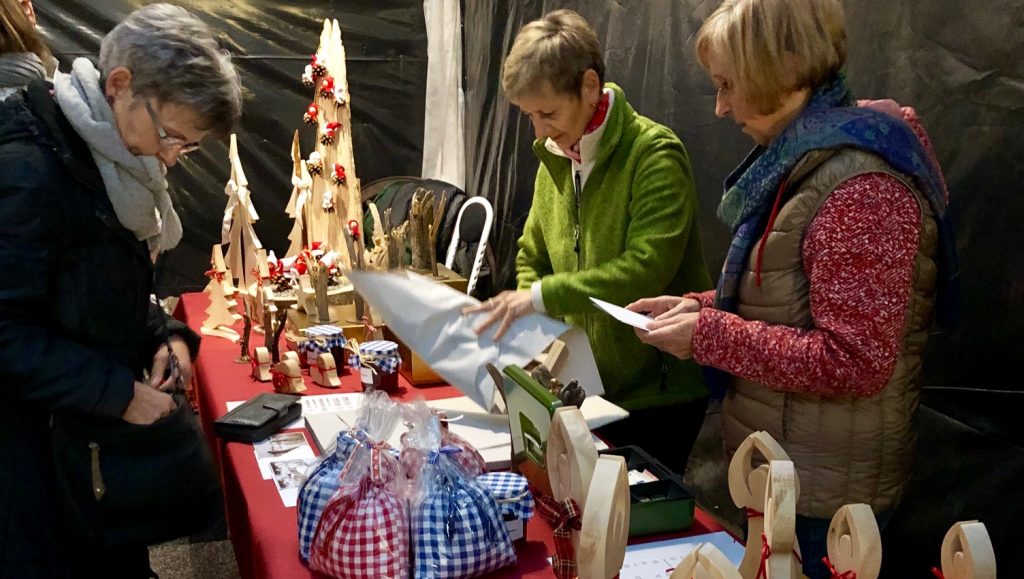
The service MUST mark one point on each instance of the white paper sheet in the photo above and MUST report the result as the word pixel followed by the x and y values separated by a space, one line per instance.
pixel 625 316
pixel 427 316
pixel 656 560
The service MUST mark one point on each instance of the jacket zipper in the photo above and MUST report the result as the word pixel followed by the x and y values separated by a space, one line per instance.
pixel 99 488
pixel 577 189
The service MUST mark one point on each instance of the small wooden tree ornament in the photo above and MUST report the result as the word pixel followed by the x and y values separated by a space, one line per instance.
pixel 605 526
pixel 705 562
pixel 748 486
pixel 780 520
pixel 325 371
pixel 261 363
pixel 967 552
pixel 570 456
pixel 854 542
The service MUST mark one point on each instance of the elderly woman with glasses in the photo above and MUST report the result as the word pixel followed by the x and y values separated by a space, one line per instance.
pixel 840 255
pixel 84 211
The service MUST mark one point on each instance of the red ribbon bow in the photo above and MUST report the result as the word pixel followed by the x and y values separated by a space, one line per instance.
pixel 214 274
pixel 938 573
pixel 565 517
pixel 766 552
pixel 850 574
pixel 279 379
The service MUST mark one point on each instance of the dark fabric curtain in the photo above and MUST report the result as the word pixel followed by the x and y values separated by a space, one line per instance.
pixel 271 42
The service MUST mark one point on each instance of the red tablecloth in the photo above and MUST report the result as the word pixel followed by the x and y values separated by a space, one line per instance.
pixel 263 531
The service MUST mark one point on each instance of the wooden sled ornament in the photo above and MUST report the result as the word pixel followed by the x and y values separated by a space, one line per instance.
pixel 325 371
pixel 967 552
pixel 705 562
pixel 748 487
pixel 261 364
pixel 780 520
pixel 854 542
pixel 287 377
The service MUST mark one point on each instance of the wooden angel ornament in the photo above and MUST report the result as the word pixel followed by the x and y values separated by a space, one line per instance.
pixel 854 543
pixel 967 553
pixel 748 486
pixel 705 562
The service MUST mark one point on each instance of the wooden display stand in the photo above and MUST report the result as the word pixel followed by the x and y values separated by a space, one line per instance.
pixel 325 371
pixel 705 562
pixel 780 520
pixel 854 543
pixel 967 552
pixel 261 363
pixel 748 487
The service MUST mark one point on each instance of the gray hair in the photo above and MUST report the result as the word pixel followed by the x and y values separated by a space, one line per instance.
pixel 174 57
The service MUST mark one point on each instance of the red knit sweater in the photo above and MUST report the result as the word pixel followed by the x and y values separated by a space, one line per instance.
pixel 858 254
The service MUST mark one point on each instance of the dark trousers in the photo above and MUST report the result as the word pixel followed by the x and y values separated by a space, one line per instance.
pixel 666 432
pixel 114 562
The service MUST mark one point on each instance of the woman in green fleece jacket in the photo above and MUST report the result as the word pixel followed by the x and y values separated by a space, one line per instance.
pixel 613 217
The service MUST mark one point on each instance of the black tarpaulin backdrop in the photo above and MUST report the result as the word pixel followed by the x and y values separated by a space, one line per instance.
pixel 271 42
pixel 957 62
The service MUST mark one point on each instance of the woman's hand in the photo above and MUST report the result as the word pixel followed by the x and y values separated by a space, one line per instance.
pixel 664 306
pixel 180 367
pixel 508 306
pixel 672 334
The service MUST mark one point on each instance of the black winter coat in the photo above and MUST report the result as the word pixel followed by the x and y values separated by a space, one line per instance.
pixel 76 323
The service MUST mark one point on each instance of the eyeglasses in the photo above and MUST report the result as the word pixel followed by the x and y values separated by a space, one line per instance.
pixel 184 147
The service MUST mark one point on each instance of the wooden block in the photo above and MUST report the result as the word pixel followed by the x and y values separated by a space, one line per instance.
pixel 413 368
pixel 854 543
pixel 287 377
pixel 967 552
pixel 261 364
pixel 604 528
pixel 705 562
pixel 325 372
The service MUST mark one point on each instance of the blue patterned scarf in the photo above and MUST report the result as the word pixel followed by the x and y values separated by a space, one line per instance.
pixel 829 121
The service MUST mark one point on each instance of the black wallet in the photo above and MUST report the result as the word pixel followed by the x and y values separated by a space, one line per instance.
pixel 259 417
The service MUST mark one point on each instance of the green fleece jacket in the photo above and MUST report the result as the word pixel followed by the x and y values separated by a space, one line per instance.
pixel 638 238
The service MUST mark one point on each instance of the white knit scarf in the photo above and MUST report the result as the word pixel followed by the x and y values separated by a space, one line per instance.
pixel 135 184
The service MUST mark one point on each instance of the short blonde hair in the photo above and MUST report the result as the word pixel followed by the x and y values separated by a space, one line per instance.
pixel 557 49
pixel 776 46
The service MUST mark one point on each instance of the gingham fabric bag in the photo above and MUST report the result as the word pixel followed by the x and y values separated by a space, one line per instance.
pixel 457 526
pixel 364 530
pixel 321 485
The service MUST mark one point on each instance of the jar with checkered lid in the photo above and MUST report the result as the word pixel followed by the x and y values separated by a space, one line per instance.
pixel 378 362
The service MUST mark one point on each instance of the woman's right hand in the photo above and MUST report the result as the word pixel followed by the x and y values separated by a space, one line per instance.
pixel 663 307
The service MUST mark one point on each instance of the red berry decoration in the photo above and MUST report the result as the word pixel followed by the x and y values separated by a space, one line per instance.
pixel 339 174
pixel 312 114
pixel 327 88
pixel 353 228
pixel 317 68
pixel 330 132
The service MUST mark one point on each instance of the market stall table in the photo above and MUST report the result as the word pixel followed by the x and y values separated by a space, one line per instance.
pixel 263 531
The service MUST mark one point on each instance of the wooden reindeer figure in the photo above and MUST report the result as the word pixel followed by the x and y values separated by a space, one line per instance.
pixel 967 553
pixel 705 562
pixel 261 363
pixel 287 377
pixel 780 521
pixel 854 543
pixel 748 486
pixel 325 371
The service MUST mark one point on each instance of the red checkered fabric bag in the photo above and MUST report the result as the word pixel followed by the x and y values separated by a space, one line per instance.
pixel 364 530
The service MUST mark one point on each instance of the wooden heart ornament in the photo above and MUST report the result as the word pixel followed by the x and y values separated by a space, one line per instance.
pixel 967 552
pixel 854 543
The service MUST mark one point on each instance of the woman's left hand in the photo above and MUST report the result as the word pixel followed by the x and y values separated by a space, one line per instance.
pixel 508 306
pixel 673 335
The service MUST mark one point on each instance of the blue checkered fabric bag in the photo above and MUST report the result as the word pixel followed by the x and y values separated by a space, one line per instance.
pixel 511 491
pixel 381 353
pixel 457 529
pixel 321 485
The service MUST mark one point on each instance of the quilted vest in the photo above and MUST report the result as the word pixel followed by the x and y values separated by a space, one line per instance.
pixel 846 449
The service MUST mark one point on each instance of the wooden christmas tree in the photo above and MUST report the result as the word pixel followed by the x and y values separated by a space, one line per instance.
pixel 299 203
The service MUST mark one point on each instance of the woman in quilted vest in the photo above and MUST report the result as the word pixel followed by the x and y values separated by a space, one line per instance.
pixel 613 217
pixel 840 247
